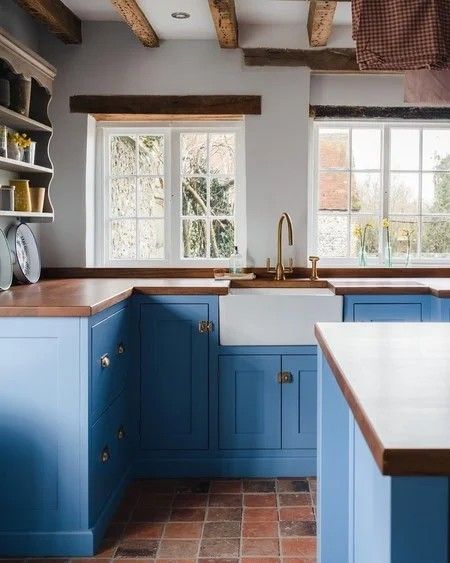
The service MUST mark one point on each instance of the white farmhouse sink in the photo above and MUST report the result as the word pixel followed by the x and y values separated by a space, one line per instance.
pixel 275 316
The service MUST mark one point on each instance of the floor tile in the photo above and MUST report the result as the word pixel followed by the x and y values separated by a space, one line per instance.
pixel 293 486
pixel 297 528
pixel 192 486
pixel 183 530
pixel 222 530
pixel 150 514
pixel 159 500
pixel 188 514
pixel 219 548
pixel 259 486
pixel 217 560
pixel 137 548
pixel 190 500
pixel 260 529
pixel 157 485
pixel 225 500
pixel 260 514
pixel 226 486
pixel 298 547
pixel 262 500
pixel 143 531
pixel 297 513
pixel 294 499
pixel 177 549
pixel 260 547
pixel 259 560
pixel 222 514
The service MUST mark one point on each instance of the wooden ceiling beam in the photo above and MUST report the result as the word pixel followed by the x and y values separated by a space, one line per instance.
pixel 323 60
pixel 137 21
pixel 223 13
pixel 320 21
pixel 56 16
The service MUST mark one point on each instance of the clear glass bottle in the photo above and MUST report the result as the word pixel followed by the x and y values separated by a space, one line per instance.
pixel 236 262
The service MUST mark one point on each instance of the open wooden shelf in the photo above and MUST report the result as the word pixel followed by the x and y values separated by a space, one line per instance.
pixel 17 121
pixel 29 216
pixel 19 166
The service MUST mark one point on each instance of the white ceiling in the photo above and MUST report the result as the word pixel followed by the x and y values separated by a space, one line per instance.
pixel 272 13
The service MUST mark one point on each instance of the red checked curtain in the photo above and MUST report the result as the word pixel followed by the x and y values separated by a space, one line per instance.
pixel 402 34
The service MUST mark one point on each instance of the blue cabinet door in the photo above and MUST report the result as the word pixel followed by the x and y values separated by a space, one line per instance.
pixel 299 402
pixel 249 402
pixel 174 377
pixel 387 308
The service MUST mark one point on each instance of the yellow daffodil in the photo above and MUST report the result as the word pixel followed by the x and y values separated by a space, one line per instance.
pixel 386 223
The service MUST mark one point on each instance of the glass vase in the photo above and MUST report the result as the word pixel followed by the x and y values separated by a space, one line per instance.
pixel 388 255
pixel 362 257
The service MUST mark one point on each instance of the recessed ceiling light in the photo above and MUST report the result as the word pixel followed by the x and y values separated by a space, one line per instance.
pixel 181 15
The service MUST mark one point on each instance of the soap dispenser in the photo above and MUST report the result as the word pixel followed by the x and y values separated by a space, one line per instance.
pixel 236 262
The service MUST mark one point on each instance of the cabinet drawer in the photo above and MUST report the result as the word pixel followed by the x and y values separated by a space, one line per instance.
pixel 110 360
pixel 387 312
pixel 109 453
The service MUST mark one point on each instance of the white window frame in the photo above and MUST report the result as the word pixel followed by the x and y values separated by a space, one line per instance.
pixel 313 212
pixel 173 202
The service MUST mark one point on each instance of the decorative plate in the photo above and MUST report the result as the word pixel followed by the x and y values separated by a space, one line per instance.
pixel 6 269
pixel 27 262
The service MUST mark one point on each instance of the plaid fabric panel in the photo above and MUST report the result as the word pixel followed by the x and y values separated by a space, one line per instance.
pixel 402 34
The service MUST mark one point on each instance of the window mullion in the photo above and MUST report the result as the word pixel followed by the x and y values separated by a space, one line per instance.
pixel 385 178
pixel 419 219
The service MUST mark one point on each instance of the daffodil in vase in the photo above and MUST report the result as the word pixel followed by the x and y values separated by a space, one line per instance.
pixel 388 248
pixel 360 232
pixel 407 233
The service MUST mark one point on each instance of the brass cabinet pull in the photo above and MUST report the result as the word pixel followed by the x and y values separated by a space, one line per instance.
pixel 121 433
pixel 120 348
pixel 285 377
pixel 105 361
pixel 105 455
pixel 205 326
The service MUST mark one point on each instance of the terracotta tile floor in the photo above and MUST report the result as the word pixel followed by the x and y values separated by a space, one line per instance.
pixel 213 521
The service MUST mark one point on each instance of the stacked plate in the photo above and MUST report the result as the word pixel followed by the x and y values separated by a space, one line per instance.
pixel 19 255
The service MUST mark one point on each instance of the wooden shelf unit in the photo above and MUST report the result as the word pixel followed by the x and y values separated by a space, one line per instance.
pixel 17 59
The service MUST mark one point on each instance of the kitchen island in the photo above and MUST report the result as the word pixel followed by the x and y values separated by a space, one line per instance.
pixel 383 442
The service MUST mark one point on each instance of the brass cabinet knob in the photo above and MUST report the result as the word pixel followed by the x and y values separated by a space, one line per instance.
pixel 105 455
pixel 285 377
pixel 105 361
pixel 121 433
pixel 120 348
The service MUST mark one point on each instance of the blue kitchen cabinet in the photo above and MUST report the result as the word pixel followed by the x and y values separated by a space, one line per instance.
pixel 387 308
pixel 267 402
pixel 57 417
pixel 174 376
pixel 249 402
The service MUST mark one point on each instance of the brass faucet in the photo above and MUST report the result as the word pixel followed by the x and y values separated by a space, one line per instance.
pixel 280 271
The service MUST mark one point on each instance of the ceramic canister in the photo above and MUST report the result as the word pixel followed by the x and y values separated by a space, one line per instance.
pixel 22 198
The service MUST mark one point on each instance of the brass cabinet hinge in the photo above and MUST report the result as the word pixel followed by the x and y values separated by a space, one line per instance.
pixel 205 326
pixel 285 377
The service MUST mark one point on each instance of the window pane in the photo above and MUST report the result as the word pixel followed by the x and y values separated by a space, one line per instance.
pixel 222 153
pixel 334 188
pixel 123 240
pixel 405 149
pixel 366 149
pixel 123 155
pixel 436 237
pixel 123 197
pixel 366 192
pixel 334 148
pixel 403 234
pixel 372 233
pixel 222 238
pixel 151 239
pixel 222 196
pixel 404 193
pixel 194 196
pixel 151 154
pixel 333 235
pixel 436 149
pixel 151 197
pixel 193 153
pixel 194 238
pixel 436 192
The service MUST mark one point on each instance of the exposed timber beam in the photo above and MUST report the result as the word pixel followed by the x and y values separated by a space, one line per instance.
pixel 166 105
pixel 320 21
pixel 223 13
pixel 137 21
pixel 373 112
pixel 323 60
pixel 56 16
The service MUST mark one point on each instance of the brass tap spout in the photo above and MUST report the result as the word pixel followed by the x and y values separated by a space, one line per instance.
pixel 280 270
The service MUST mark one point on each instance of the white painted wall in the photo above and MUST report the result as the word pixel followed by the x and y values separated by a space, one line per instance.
pixel 111 61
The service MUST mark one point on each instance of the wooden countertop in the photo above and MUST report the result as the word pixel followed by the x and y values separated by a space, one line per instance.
pixel 396 380
pixel 88 296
